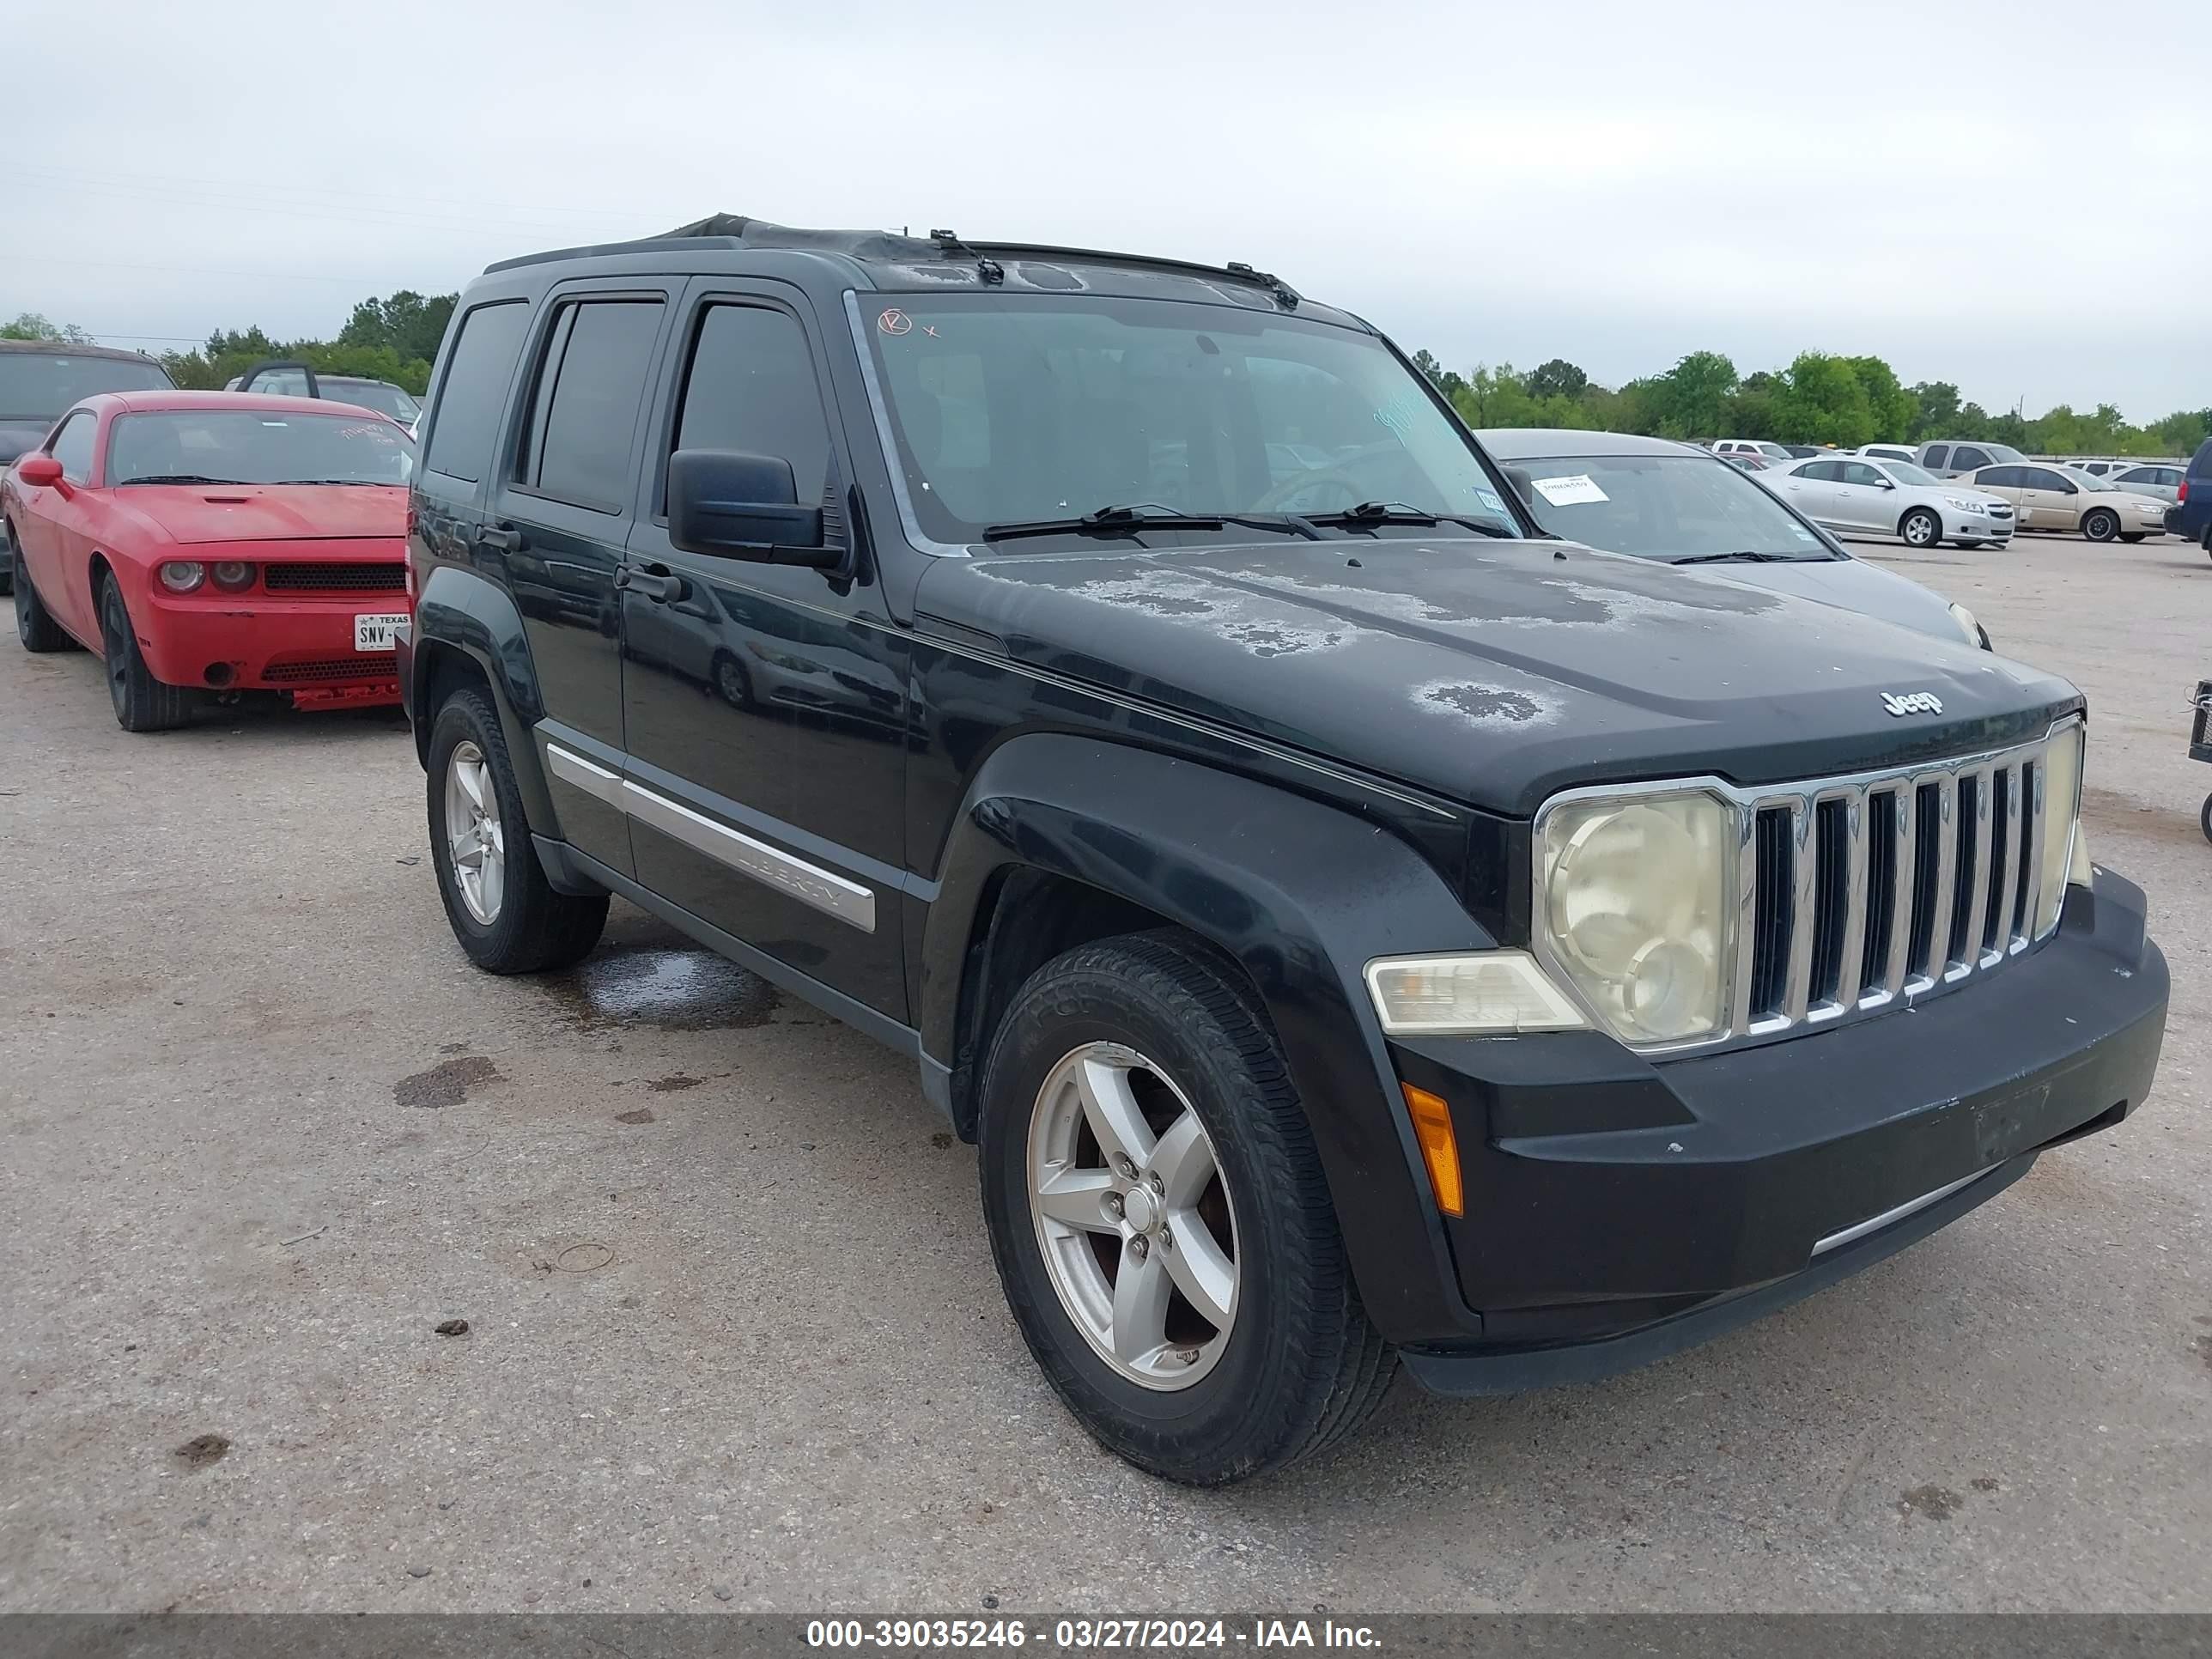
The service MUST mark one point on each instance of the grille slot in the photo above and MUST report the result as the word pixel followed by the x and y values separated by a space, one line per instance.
pixel 1861 893
pixel 389 577
pixel 367 666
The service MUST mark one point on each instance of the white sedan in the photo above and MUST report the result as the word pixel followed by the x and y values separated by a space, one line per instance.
pixel 1862 494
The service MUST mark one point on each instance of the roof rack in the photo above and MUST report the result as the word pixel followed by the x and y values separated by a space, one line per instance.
pixel 883 246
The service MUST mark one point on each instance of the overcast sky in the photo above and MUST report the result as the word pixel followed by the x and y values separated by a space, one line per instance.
pixel 2008 194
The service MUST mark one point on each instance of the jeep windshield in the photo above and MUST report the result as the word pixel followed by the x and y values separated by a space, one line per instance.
pixel 1676 508
pixel 38 386
pixel 1022 415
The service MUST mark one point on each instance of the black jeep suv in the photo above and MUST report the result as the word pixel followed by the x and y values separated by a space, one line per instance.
pixel 1356 931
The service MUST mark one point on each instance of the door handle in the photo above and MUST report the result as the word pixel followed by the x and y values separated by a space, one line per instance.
pixel 504 538
pixel 659 585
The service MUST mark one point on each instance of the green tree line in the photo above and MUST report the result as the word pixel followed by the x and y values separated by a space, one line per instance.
pixel 1820 399
pixel 394 339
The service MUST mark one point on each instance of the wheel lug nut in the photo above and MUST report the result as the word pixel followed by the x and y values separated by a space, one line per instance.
pixel 1167 1238
pixel 1113 1204
pixel 1126 1170
pixel 1158 1185
pixel 1137 1247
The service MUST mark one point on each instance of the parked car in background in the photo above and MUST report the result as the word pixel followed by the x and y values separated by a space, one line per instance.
pixel 2059 499
pixel 1759 446
pixel 1671 502
pixel 40 379
pixel 2159 478
pixel 1949 457
pixel 1861 494
pixel 1889 452
pixel 286 379
pixel 1800 450
pixel 2193 505
pixel 210 543
pixel 2096 467
pixel 1743 462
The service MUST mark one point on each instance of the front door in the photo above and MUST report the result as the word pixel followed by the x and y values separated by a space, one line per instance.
pixel 765 704
pixel 558 522
pixel 2050 501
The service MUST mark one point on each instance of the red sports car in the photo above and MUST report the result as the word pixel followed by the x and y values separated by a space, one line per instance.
pixel 215 542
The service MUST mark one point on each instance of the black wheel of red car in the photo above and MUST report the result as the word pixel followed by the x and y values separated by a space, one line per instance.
pixel 2100 524
pixel 143 703
pixel 1920 528
pixel 8 577
pixel 1160 1221
pixel 2205 818
pixel 34 625
pixel 506 915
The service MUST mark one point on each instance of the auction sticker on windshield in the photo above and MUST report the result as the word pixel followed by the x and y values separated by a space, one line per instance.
pixel 1567 491
pixel 375 630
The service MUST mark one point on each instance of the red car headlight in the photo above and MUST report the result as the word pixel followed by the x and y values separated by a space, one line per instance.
pixel 183 575
pixel 233 575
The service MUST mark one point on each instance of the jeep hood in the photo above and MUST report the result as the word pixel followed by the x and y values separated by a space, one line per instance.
pixel 193 514
pixel 1490 672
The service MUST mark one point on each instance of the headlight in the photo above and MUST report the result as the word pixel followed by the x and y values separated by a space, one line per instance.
pixel 1965 505
pixel 183 575
pixel 1633 906
pixel 2066 851
pixel 235 574
pixel 1968 625
pixel 1482 994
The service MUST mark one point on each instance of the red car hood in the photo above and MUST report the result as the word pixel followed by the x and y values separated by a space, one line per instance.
pixel 192 513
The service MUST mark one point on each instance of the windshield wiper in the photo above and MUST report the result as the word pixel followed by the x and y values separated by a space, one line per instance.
pixel 182 478
pixel 1375 512
pixel 1750 558
pixel 1148 515
pixel 366 482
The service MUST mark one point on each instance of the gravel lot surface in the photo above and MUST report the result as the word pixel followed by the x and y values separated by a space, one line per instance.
pixel 734 1338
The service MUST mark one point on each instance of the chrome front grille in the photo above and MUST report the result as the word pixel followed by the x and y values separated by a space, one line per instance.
pixel 1859 894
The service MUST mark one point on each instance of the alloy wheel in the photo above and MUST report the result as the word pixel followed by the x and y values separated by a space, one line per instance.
pixel 1919 530
pixel 476 840
pixel 1133 1216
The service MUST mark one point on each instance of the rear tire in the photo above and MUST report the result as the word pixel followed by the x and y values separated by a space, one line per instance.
pixel 525 927
pixel 2205 818
pixel 1920 528
pixel 2133 536
pixel 1971 547
pixel 2100 524
pixel 1295 1366
pixel 142 702
pixel 34 625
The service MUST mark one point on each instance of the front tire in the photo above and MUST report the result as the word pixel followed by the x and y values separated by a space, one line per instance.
pixel 2205 818
pixel 35 624
pixel 1920 528
pixel 2101 526
pixel 505 912
pixel 1160 1221
pixel 142 702
pixel 2133 536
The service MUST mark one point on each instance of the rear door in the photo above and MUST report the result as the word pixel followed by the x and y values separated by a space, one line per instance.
pixel 1965 458
pixel 1935 457
pixel 766 704
pixel 2006 483
pixel 1811 488
pixel 559 520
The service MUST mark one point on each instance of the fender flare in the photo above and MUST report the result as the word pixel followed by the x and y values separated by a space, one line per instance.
pixel 1299 893
pixel 460 610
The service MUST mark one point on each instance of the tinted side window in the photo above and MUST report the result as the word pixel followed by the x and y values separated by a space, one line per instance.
pixel 2042 477
pixel 598 357
pixel 1999 478
pixel 751 388
pixel 482 362
pixel 72 446
pixel 1859 472
pixel 1966 458
pixel 1823 471
pixel 1934 454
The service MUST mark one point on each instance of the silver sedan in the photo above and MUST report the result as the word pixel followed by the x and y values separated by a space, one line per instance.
pixel 1864 495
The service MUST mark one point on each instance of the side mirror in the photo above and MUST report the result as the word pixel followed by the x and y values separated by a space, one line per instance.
pixel 732 505
pixel 39 470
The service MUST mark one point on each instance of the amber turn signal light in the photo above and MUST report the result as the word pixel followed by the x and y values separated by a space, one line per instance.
pixel 1432 1127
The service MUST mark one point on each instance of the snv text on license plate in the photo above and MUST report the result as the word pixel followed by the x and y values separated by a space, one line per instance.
pixel 375 630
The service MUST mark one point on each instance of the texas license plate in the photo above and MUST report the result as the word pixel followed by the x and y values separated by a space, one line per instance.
pixel 377 630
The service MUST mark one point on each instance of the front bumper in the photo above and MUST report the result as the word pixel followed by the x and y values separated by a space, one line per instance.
pixel 1617 1209
pixel 1975 527
pixel 260 642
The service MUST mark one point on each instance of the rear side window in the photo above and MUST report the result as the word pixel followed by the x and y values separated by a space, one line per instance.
pixel 1934 454
pixel 751 388
pixel 1966 459
pixel 2001 477
pixel 1823 471
pixel 598 357
pixel 475 389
